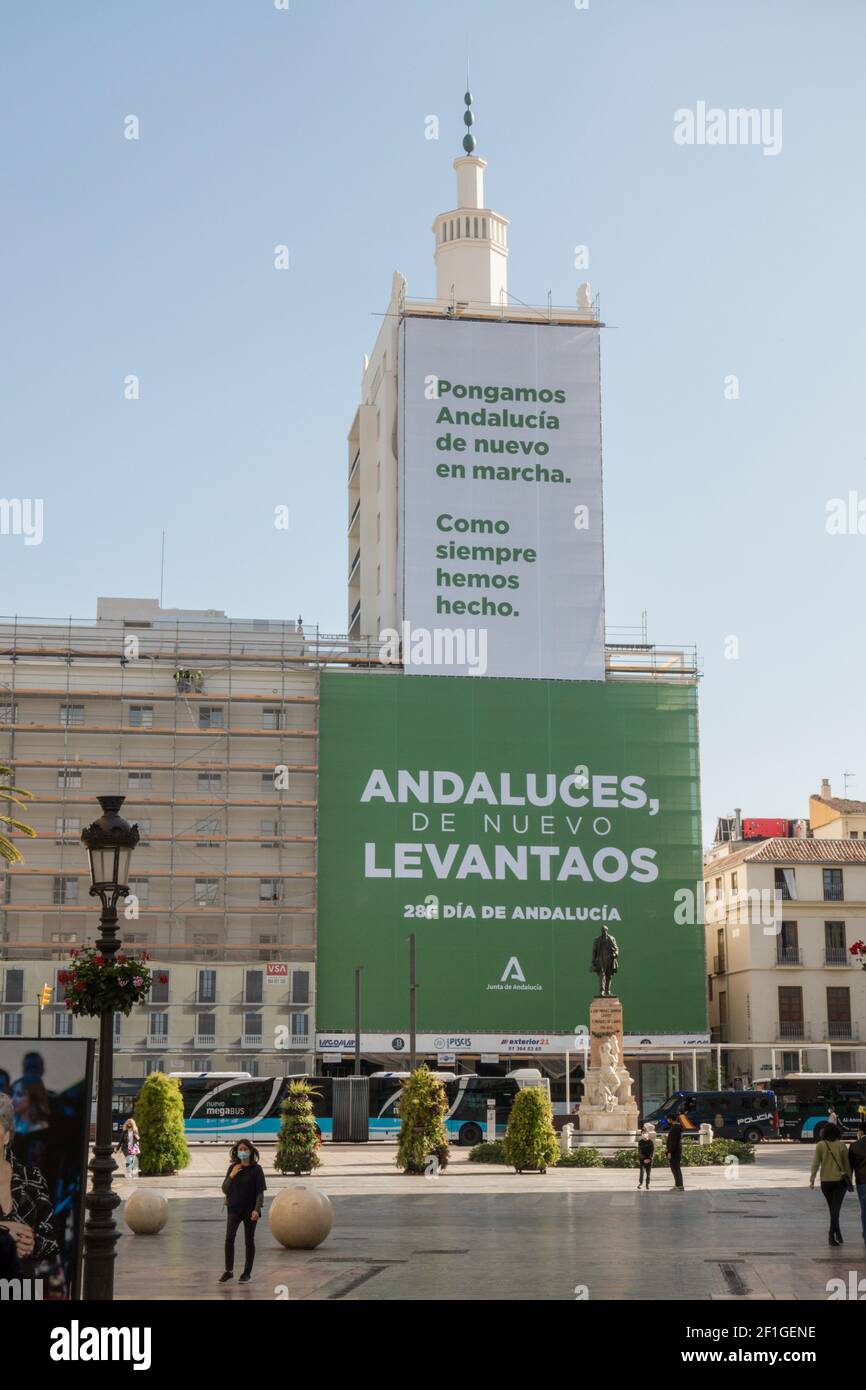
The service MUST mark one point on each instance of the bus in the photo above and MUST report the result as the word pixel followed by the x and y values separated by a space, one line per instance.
pixel 220 1107
pixel 806 1098
pixel 747 1115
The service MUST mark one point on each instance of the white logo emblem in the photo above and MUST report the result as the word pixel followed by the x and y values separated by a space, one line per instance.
pixel 512 971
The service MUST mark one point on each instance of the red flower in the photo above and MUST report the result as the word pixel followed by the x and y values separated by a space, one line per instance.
pixel 99 960
pixel 62 977
pixel 145 956
pixel 80 985
pixel 120 958
pixel 163 979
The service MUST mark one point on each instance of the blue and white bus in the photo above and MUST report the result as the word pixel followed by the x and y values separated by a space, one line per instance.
pixel 220 1107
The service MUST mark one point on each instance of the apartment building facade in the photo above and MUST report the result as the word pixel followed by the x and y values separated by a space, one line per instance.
pixel 208 727
pixel 785 991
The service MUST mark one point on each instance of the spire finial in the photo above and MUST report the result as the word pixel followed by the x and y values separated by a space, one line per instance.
pixel 468 118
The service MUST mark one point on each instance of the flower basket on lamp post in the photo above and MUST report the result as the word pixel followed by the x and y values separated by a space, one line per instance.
pixel 95 989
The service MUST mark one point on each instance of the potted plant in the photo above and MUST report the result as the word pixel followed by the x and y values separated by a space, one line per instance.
pixel 298 1140
pixel 530 1142
pixel 96 984
pixel 423 1143
pixel 159 1116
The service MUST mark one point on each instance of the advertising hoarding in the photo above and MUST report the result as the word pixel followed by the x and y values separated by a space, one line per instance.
pixel 500 511
pixel 503 823
pixel 46 1088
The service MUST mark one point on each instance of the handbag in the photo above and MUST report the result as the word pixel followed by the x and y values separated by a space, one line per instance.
pixel 849 1186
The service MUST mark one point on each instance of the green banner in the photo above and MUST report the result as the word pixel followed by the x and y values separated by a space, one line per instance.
pixel 504 822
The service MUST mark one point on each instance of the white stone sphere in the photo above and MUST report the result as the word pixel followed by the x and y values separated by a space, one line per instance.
pixel 146 1211
pixel 301 1217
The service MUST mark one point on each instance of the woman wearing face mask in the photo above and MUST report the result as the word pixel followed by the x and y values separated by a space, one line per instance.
pixel 244 1189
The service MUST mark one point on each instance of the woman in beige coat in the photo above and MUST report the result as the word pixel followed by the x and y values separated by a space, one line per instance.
pixel 831 1158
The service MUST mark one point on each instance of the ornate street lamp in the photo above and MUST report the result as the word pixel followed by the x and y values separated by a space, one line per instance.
pixel 109 842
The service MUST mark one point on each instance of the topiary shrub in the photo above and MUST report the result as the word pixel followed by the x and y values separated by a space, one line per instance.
pixel 719 1151
pixel 298 1140
pixel 581 1158
pixel 530 1140
pixel 423 1136
pixel 493 1152
pixel 159 1116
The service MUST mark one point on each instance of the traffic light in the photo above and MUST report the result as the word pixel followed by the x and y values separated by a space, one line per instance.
pixel 45 996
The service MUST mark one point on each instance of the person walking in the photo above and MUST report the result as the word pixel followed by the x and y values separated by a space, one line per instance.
pixel 645 1150
pixel 857 1157
pixel 831 1157
pixel 674 1147
pixel 244 1189
pixel 129 1145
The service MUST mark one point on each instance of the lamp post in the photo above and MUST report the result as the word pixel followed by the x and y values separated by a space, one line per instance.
pixel 109 842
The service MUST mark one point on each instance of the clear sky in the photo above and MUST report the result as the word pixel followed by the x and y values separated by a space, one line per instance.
pixel 306 127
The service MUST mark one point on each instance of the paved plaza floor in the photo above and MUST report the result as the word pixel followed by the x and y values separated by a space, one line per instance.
pixel 483 1232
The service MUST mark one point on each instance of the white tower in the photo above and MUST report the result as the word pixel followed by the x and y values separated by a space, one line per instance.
pixel 472 240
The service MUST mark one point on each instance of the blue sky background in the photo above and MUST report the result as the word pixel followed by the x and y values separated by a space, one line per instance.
pixel 260 126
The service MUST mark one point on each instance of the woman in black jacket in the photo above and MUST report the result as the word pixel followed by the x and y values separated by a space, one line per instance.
pixel 645 1150
pixel 244 1189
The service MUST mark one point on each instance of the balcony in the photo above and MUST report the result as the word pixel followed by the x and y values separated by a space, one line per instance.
pixel 355 563
pixel 793 1030
pixel 300 1040
pixel 354 464
pixel 353 529
pixel 251 1040
pixel 157 1040
pixel 838 955
pixel 842 1031
pixel 719 965
pixel 720 1033
pixel 205 1040
pixel 789 955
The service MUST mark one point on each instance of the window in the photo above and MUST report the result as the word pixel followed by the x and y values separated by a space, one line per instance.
pixel 378 526
pixel 65 889
pixel 378 579
pixel 253 987
pixel 300 986
pixel 272 717
pixel 210 717
pixel 159 993
pixel 720 962
pixel 790 1061
pixel 8 714
pixel 270 829
pixel 788 944
pixel 63 1025
pixel 838 1012
pixel 139 888
pixel 13 992
pixel 268 781
pixel 833 886
pixel 12 1025
pixel 68 777
pixel 141 716
pixel 790 1011
pixel 710 988
pixel 270 890
pixel 852 835
pixel 786 884
pixel 301 1027
pixel 67 825
pixel 207 827
pixel 139 781
pixel 59 988
pixel 206 891
pixel 835 952
pixel 117 1027
pixel 71 714
pixel 65 937
pixel 252 1028
pixel 210 781
pixel 733 883
pixel 204 944
pixel 205 1030
pixel 157 1027
pixel 206 992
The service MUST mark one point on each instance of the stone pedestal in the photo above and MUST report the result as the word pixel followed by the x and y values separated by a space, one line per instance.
pixel 607 1114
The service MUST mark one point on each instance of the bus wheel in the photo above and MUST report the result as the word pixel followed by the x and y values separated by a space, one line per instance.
pixel 470 1135
pixel 753 1136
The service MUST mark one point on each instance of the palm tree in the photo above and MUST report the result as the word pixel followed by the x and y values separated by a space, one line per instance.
pixel 16 796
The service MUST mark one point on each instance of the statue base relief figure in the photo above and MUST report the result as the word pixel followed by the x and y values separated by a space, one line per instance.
pixel 607 1114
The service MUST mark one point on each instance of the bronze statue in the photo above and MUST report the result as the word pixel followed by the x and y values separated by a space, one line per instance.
pixel 605 961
